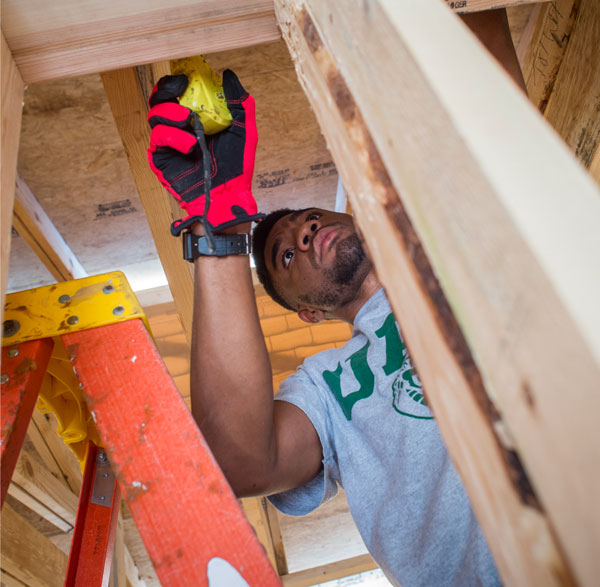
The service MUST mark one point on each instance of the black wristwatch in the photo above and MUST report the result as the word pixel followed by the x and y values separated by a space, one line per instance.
pixel 225 244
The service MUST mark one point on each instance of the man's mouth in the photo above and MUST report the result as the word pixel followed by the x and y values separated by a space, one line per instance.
pixel 324 240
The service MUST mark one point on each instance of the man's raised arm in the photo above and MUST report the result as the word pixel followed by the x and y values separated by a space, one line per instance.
pixel 261 447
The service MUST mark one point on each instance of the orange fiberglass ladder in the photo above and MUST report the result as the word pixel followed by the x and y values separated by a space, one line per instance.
pixel 152 451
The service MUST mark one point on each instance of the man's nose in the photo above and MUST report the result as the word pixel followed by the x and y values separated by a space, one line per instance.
pixel 306 233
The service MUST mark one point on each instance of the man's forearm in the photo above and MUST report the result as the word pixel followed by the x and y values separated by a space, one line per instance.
pixel 231 381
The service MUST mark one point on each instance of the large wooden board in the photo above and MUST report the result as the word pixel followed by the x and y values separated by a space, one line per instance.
pixel 439 165
pixel 12 100
pixel 68 37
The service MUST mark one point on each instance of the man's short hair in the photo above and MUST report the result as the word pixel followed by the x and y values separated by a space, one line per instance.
pixel 259 241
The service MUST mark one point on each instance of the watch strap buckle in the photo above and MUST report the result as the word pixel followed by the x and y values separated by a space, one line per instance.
pixel 225 244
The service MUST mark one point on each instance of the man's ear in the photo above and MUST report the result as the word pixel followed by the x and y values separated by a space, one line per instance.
pixel 311 316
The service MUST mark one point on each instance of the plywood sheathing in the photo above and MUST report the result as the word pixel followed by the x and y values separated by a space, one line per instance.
pixel 72 159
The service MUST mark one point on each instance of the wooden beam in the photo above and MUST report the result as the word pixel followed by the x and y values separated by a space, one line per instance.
pixel 337 570
pixel 13 90
pixel 461 191
pixel 38 507
pixel 68 38
pixel 560 66
pixel 27 555
pixel 254 511
pixel 542 56
pixel 33 224
pixel 466 6
pixel 9 580
pixel 123 572
pixel 127 96
pixel 574 105
pixel 33 477
pixel 59 459
pixel 276 537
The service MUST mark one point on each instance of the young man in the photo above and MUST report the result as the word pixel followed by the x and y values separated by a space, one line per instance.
pixel 354 416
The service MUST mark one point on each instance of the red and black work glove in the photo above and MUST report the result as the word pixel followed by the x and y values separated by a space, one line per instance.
pixel 176 157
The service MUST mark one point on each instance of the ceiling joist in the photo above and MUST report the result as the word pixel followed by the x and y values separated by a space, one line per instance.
pixel 68 38
pixel 33 224
pixel 13 90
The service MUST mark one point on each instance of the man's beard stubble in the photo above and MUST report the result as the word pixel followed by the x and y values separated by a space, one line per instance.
pixel 343 280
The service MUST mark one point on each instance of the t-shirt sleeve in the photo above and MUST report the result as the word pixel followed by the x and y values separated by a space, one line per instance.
pixel 299 389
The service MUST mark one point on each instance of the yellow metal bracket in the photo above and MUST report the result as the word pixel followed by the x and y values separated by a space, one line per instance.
pixel 53 310
pixel 69 306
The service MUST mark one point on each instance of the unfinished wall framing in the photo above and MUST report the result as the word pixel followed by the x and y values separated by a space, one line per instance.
pixel 481 223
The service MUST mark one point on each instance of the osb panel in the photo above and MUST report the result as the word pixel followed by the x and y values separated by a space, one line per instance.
pixel 73 161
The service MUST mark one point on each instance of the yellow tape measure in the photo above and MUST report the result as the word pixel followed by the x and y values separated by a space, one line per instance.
pixel 204 94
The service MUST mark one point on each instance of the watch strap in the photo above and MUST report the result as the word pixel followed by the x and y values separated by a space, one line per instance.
pixel 225 244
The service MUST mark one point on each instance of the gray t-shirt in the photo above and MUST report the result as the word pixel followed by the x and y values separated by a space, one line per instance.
pixel 381 444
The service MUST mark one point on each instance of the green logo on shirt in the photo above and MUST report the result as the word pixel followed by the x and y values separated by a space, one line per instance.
pixel 408 393
pixel 406 385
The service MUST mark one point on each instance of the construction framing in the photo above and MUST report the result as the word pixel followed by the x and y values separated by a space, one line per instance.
pixel 480 221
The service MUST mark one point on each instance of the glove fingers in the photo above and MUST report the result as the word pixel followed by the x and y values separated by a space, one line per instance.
pixel 233 89
pixel 171 114
pixel 175 138
pixel 235 95
pixel 168 89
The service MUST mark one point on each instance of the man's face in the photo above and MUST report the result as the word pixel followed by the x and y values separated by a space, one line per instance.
pixel 316 259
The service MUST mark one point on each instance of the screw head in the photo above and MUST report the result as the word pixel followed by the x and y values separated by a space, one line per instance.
pixel 10 328
pixel 118 310
pixel 102 498
pixel 101 457
pixel 64 299
pixel 4 378
pixel 72 320
pixel 12 353
pixel 108 289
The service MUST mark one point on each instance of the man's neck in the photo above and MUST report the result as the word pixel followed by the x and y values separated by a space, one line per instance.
pixel 367 288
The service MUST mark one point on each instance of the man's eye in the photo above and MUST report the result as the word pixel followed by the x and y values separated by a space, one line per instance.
pixel 287 257
pixel 313 216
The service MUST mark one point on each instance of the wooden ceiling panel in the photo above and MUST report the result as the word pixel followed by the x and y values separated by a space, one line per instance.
pixel 72 158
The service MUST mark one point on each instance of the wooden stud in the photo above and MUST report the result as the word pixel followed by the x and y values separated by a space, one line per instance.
pixel 466 6
pixel 13 90
pixel 573 107
pixel 544 52
pixel 127 96
pixel 50 446
pixel 9 580
pixel 458 181
pixel 330 572
pixel 124 572
pixel 255 515
pixel 34 478
pixel 32 223
pixel 276 537
pixel 27 555
pixel 38 507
